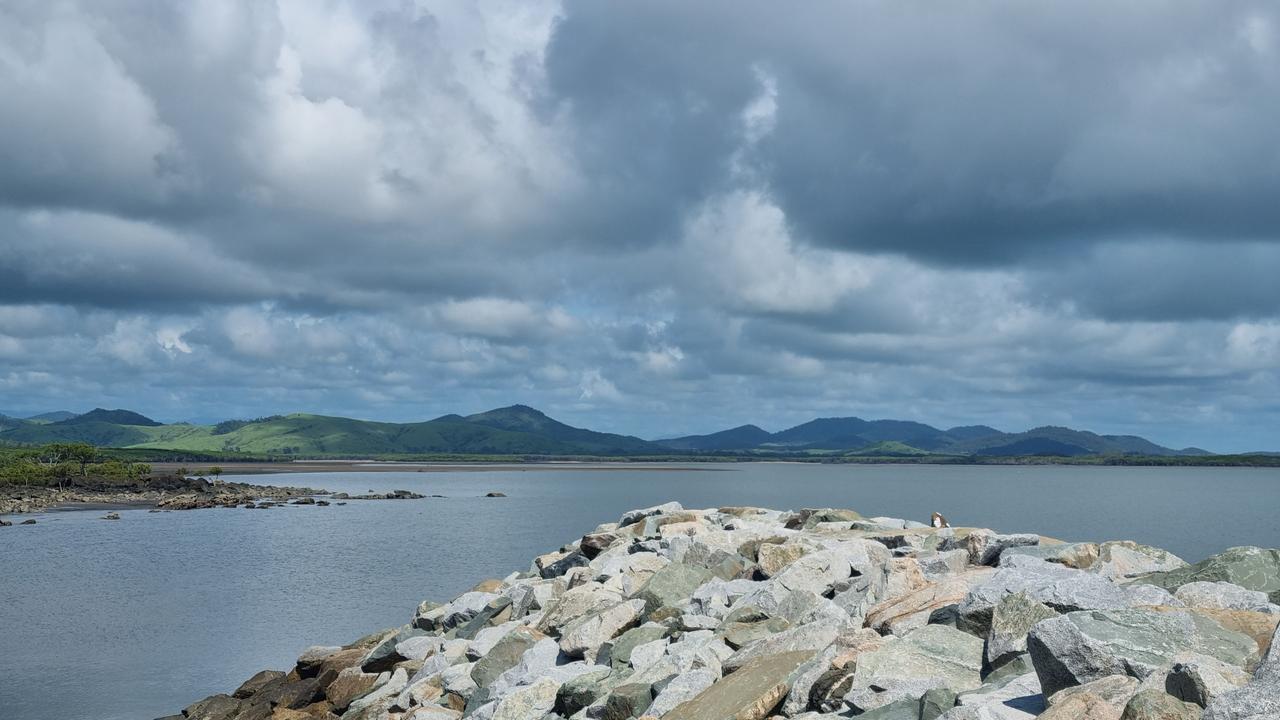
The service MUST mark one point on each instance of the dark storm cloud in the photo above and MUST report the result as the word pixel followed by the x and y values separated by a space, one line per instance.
pixel 652 217
pixel 971 133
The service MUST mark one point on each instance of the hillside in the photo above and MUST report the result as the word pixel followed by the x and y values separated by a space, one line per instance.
pixel 522 430
pixel 516 430
pixel 743 436
pixel 855 436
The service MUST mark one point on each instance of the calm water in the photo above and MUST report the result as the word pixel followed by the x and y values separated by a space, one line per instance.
pixel 138 618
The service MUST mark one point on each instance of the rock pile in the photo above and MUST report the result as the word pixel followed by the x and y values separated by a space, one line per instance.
pixel 744 613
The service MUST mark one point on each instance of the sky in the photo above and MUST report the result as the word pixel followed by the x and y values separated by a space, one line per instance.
pixel 654 218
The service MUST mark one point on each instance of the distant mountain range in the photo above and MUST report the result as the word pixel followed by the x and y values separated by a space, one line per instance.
pixel 901 437
pixel 522 430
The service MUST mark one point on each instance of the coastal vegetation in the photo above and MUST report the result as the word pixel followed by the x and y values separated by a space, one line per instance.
pixel 57 464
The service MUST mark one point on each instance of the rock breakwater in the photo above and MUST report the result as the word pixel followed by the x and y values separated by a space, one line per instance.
pixel 746 613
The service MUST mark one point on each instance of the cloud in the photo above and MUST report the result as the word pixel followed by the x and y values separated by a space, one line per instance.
pixel 652 218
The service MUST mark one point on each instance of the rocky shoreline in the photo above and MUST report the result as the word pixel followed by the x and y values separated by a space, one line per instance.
pixel 746 613
pixel 167 492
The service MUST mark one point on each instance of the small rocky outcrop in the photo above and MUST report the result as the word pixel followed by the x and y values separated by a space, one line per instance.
pixel 746 613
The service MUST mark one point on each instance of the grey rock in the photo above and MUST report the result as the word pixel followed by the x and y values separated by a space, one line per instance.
pixel 808 638
pixel 934 656
pixel 564 564
pixel 1011 620
pixel 671 586
pixel 584 636
pixel 215 707
pixel 620 649
pixel 580 692
pixel 504 655
pixel 634 516
pixel 935 702
pixel 1252 568
pixel 383 656
pixel 904 709
pixel 1224 596
pixel 1081 647
pixel 1126 559
pixel 751 693
pixel 627 701
pixel 1259 700
pixel 1199 679
pixel 803 680
pixel 531 702
pixel 680 689
pixel 1018 699
pixel 309 661
pixel 1152 704
pixel 1074 555
pixel 1061 588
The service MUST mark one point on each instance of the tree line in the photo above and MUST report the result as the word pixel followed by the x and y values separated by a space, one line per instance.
pixel 58 464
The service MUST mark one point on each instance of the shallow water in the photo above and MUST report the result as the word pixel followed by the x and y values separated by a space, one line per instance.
pixel 138 618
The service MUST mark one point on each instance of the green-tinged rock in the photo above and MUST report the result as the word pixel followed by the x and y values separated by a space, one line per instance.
pixel 671 585
pixel 935 654
pixel 738 634
pixel 1011 620
pixel 504 655
pixel 1080 647
pixel 581 691
pixel 905 709
pixel 627 701
pixel 620 651
pixel 1252 568
pixel 748 694
pixel 526 703
pixel 1016 667
pixel 1152 704
pixel 935 702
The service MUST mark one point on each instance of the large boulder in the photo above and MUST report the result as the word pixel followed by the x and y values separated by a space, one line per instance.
pixel 1198 679
pixel 1101 699
pixel 1011 620
pixel 584 636
pixel 671 586
pixel 985 547
pixel 1074 555
pixel 1081 647
pixel 751 693
pixel 504 655
pixel 934 656
pixel 809 638
pixel 1153 704
pixel 531 702
pixel 1259 700
pixel 1252 568
pixel 1224 596
pixel 901 614
pixel 1059 587
pixel 634 516
pixel 1125 559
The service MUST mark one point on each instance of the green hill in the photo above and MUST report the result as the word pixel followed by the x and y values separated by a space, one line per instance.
pixel 516 430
